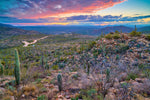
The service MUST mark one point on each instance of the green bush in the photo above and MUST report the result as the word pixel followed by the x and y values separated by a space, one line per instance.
pixel 147 73
pixel 147 37
pixel 116 32
pixel 42 97
pixel 1 69
pixel 75 98
pixel 91 44
pixel 141 66
pixel 90 94
pixel 132 76
pixel 108 36
pixel 134 33
pixel 116 36
pixel 122 48
pixel 55 67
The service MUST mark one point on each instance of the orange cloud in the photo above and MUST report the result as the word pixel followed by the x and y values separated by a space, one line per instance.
pixel 146 20
pixel 38 24
pixel 64 8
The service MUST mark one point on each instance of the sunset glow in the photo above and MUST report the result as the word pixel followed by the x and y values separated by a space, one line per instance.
pixel 74 12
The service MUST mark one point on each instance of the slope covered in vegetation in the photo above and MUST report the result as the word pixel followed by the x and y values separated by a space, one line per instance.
pixel 72 66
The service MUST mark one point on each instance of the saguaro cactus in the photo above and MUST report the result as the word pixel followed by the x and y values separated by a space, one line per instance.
pixel 46 65
pixel 88 70
pixel 59 80
pixel 1 68
pixel 6 64
pixel 107 74
pixel 17 67
pixel 42 61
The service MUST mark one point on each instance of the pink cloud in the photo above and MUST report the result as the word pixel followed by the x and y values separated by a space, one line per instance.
pixel 49 8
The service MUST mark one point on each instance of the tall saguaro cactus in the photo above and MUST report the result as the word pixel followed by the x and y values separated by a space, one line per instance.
pixel 42 61
pixel 17 67
pixel 46 65
pixel 59 80
pixel 107 74
pixel 1 68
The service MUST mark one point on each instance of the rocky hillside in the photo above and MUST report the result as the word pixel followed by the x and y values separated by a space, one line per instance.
pixel 111 67
pixel 108 29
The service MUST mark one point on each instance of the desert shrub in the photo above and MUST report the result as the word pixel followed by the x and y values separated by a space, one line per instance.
pixel 122 48
pixel 38 80
pixel 147 37
pixel 76 76
pixel 132 76
pixel 90 94
pixel 61 65
pixel 55 67
pixel 7 98
pixel 23 73
pixel 68 53
pixel 42 97
pixel 43 90
pixel 96 52
pixel 36 74
pixel 116 32
pixel 82 48
pixel 29 90
pixel 147 73
pixel 124 84
pixel 99 37
pixel 116 36
pixel 75 98
pixel 91 44
pixel 141 66
pixel 134 33
pixel 25 65
pixel 108 36
pixel 9 72
pixel 63 59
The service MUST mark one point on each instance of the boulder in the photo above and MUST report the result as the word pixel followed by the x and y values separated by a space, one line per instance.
pixel 122 76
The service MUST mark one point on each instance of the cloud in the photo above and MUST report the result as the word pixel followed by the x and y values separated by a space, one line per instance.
pixel 30 9
pixel 107 18
pixel 77 20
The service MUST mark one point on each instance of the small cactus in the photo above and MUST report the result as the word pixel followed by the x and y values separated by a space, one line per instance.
pixel 46 65
pixel 6 64
pixel 1 68
pixel 42 61
pixel 117 57
pixel 17 67
pixel 59 80
pixel 107 74
pixel 88 70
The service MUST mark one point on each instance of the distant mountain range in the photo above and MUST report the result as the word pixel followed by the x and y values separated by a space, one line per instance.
pixel 8 30
pixel 145 29
pixel 109 29
pixel 5 25
pixel 87 30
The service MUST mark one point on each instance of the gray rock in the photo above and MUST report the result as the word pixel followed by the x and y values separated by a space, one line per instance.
pixel 122 77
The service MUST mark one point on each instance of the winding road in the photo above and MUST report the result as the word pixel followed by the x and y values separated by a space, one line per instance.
pixel 34 41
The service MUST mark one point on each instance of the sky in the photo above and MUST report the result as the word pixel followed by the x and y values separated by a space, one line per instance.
pixel 75 12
